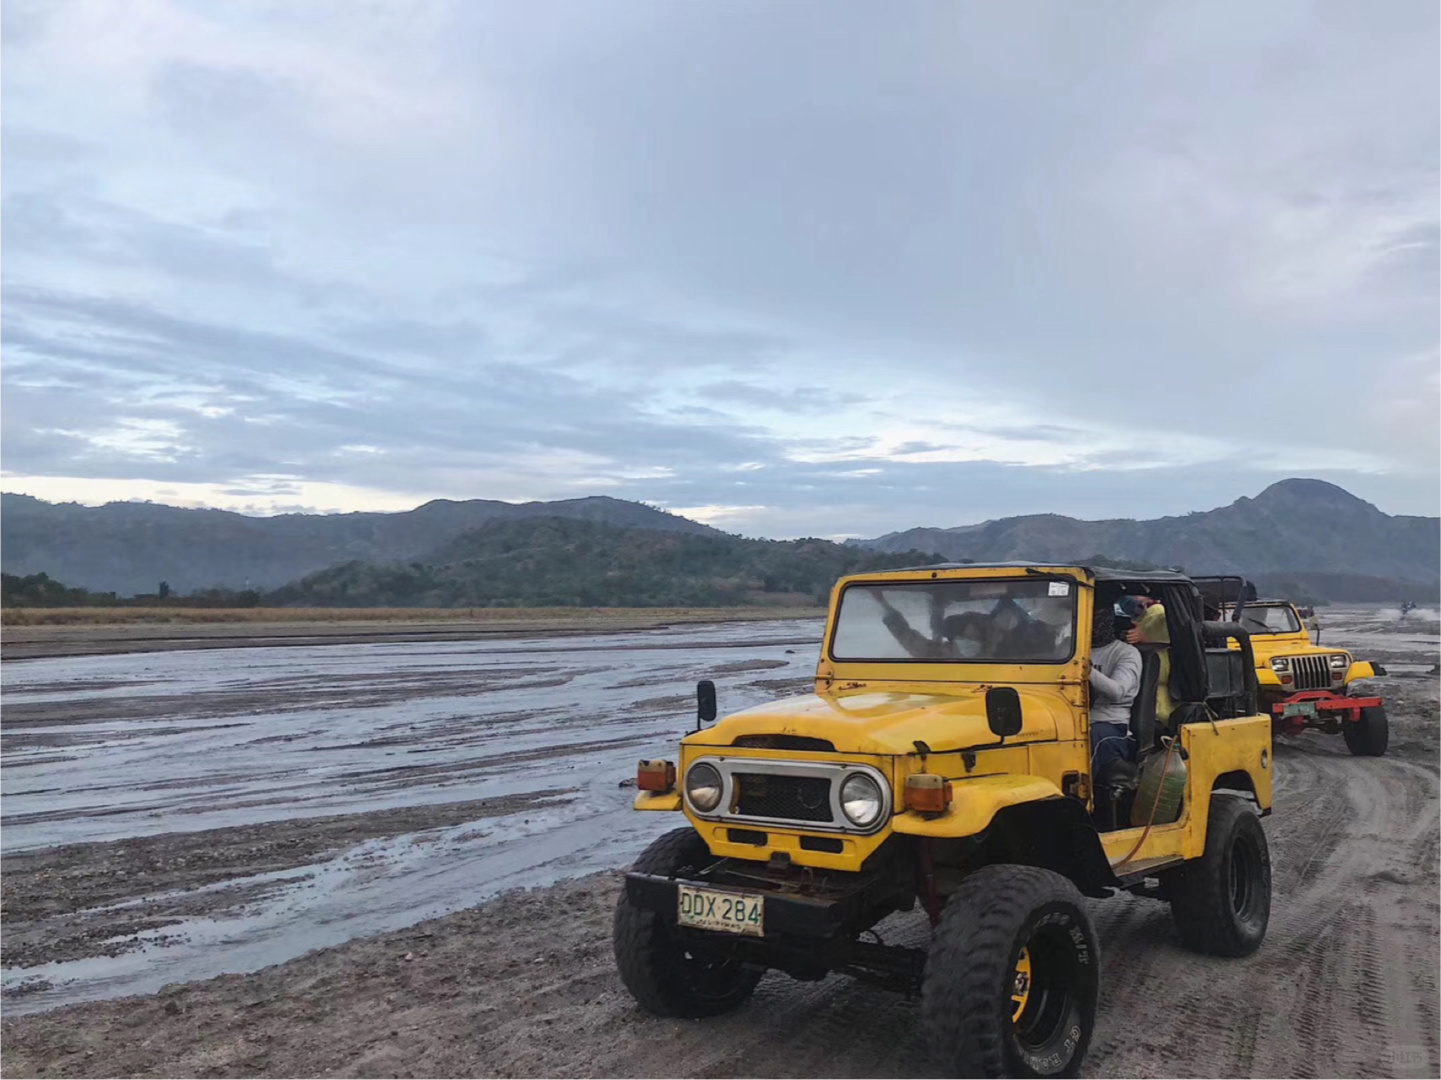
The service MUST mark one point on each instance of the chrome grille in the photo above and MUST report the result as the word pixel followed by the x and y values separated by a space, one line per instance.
pixel 1311 672
pixel 788 794
pixel 777 796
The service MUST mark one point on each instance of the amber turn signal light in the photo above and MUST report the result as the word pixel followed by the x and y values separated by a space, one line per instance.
pixel 928 793
pixel 655 775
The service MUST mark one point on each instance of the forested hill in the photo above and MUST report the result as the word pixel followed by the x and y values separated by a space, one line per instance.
pixel 130 547
pixel 559 562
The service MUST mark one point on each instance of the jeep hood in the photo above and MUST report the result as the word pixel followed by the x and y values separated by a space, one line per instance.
pixel 873 721
pixel 1265 646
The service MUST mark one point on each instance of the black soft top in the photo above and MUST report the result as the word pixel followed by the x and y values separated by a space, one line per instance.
pixel 1100 573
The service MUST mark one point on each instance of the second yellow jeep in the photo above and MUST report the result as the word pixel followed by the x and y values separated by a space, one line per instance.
pixel 943 762
pixel 1302 684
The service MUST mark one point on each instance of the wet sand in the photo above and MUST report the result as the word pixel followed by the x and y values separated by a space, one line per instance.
pixel 171 816
pixel 524 983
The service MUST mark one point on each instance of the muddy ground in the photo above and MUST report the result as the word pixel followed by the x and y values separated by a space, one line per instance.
pixel 524 983
pixel 102 899
pixel 172 816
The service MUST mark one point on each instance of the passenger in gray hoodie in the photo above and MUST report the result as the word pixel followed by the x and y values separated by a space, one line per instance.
pixel 1115 678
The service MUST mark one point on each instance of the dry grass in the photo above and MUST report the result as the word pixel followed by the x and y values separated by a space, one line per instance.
pixel 120 616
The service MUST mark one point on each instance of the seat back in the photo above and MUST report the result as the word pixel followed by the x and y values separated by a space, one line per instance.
pixel 1143 709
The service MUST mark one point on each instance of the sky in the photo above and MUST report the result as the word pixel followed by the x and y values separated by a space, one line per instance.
pixel 802 268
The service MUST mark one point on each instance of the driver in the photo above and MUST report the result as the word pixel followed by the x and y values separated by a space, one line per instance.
pixel 965 636
pixel 1022 634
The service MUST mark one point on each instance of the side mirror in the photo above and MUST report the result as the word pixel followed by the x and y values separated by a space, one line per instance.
pixel 1003 711
pixel 705 710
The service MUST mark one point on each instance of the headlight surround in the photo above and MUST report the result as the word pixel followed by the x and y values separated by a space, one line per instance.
pixel 1340 660
pixel 862 800
pixel 703 787
pixel 1280 663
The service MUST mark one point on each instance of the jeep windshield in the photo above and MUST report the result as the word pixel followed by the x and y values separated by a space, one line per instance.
pixel 1276 619
pixel 1030 621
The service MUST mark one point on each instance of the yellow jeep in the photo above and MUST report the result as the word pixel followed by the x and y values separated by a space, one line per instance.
pixel 944 762
pixel 1300 684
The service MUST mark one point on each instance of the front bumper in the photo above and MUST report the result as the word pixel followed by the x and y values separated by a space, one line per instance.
pixel 799 902
pixel 1318 708
pixel 811 921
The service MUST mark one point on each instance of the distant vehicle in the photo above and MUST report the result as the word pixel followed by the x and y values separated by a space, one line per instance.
pixel 944 762
pixel 1407 606
pixel 1302 684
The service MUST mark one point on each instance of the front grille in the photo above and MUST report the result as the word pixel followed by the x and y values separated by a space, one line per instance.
pixel 1311 672
pixel 784 742
pixel 769 795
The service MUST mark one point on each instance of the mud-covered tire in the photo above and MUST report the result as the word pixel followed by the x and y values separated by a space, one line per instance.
pixel 1368 736
pixel 976 1023
pixel 1221 902
pixel 662 975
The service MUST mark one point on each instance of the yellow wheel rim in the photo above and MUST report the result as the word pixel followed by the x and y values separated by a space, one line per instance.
pixel 1021 985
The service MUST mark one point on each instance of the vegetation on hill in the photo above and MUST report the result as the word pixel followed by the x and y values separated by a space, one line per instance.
pixel 42 591
pixel 126 547
pixel 553 562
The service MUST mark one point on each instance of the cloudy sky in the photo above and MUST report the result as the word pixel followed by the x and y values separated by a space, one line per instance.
pixel 795 268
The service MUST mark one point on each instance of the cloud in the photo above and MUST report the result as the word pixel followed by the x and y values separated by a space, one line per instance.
pixel 807 267
pixel 800 399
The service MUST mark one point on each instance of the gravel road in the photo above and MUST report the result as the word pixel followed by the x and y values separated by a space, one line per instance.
pixel 524 984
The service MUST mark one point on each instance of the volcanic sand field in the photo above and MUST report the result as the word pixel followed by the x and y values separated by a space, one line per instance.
pixel 407 809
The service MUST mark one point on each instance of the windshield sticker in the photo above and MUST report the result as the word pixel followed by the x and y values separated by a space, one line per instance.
pixel 1059 588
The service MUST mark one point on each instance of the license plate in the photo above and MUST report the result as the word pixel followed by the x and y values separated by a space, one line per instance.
pixel 730 913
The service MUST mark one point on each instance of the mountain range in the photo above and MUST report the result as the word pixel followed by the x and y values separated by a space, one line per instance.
pixel 1306 527
pixel 128 547
pixel 1296 537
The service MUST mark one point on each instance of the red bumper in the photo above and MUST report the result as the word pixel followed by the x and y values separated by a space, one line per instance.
pixel 1292 714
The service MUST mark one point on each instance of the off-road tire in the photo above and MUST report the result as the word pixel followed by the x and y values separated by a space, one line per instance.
pixel 966 1003
pixel 1368 736
pixel 1221 902
pixel 662 976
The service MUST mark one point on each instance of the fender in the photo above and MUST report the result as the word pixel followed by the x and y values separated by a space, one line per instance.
pixel 974 803
pixel 1022 819
pixel 1363 669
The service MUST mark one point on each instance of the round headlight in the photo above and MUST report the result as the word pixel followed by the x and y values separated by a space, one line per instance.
pixel 861 799
pixel 703 787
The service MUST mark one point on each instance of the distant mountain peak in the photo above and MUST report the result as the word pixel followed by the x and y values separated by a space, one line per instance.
pixel 1308 488
pixel 1301 491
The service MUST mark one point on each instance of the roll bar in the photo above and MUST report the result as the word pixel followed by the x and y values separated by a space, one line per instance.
pixel 1234 631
